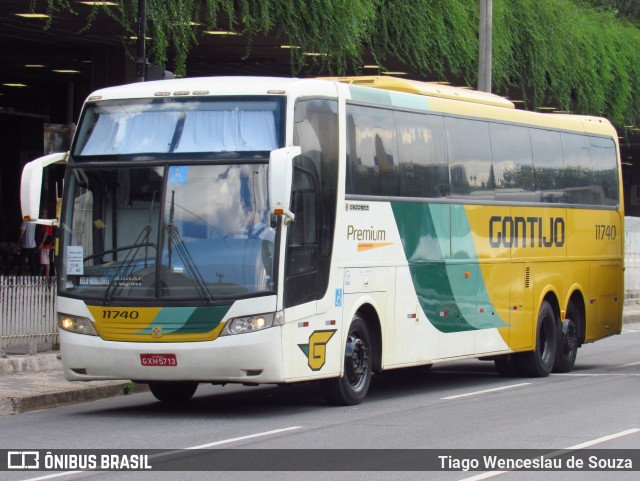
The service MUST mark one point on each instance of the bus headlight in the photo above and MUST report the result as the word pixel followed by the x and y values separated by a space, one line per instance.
pixel 77 324
pixel 241 325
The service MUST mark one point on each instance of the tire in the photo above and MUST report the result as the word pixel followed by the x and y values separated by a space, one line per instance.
pixel 538 363
pixel 568 342
pixel 352 388
pixel 173 392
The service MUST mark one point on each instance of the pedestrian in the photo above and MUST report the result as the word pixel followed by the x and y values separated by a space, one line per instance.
pixel 44 243
pixel 27 246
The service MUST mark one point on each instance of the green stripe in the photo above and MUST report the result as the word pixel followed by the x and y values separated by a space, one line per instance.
pixel 448 296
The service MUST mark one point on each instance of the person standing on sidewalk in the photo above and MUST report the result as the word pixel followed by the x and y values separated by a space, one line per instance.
pixel 27 246
pixel 44 242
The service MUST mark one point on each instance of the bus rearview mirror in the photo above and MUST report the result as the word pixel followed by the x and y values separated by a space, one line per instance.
pixel 280 181
pixel 31 184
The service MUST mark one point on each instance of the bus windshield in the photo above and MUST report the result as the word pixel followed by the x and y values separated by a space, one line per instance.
pixel 198 232
pixel 161 126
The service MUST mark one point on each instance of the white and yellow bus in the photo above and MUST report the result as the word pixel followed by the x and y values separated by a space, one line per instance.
pixel 274 230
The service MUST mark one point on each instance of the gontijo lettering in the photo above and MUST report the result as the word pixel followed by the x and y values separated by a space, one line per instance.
pixel 526 231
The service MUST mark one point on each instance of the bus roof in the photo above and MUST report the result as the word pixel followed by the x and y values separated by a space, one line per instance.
pixel 441 96
pixel 429 89
pixel 203 86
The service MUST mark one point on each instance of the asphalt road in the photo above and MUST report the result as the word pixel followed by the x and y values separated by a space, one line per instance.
pixel 455 406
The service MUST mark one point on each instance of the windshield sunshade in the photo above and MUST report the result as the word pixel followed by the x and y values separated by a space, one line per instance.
pixel 158 127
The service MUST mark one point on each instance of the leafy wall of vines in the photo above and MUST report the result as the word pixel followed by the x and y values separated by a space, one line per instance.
pixel 558 52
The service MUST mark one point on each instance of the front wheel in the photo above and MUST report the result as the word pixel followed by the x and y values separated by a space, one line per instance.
pixel 352 388
pixel 538 363
pixel 173 392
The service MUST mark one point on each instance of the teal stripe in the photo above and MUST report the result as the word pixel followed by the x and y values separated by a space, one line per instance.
pixel 370 95
pixel 389 97
pixel 187 320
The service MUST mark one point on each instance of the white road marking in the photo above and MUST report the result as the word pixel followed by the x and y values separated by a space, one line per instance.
pixel 586 444
pixel 201 446
pixel 475 393
pixel 595 374
pixel 244 438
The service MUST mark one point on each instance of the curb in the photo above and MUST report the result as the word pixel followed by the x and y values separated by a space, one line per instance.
pixel 30 364
pixel 76 395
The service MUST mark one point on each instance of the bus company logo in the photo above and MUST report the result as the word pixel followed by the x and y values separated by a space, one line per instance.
pixel 526 231
pixel 23 460
pixel 156 331
pixel 316 350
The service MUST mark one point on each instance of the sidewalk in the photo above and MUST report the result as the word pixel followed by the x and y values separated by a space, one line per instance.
pixel 29 383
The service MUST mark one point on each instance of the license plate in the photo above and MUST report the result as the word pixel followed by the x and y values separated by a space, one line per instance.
pixel 159 360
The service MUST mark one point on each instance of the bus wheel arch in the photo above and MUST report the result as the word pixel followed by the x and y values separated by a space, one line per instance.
pixel 359 359
pixel 571 334
pixel 370 316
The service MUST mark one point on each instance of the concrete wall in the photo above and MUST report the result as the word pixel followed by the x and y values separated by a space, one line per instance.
pixel 632 258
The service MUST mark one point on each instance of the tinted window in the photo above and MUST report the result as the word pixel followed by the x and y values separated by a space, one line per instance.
pixel 422 155
pixel 310 240
pixel 578 169
pixel 372 164
pixel 470 158
pixel 605 169
pixel 512 162
pixel 548 165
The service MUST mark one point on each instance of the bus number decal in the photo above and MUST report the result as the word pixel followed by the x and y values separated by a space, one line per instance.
pixel 115 314
pixel 606 232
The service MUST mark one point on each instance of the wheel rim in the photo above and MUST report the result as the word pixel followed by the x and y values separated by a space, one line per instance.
pixel 570 337
pixel 357 361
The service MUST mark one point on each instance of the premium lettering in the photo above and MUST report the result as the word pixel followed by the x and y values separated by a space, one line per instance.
pixel 366 234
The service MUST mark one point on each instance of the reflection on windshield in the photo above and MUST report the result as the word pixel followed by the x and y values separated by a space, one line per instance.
pixel 184 232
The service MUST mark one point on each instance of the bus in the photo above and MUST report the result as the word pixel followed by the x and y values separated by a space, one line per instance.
pixel 281 230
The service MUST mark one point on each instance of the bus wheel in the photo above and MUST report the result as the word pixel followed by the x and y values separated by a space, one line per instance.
pixel 173 392
pixel 352 388
pixel 567 349
pixel 538 363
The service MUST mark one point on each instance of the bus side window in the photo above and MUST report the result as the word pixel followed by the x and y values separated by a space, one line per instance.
pixel 302 240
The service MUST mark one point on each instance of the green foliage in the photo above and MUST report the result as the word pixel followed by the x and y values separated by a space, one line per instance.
pixel 576 58
pixel 578 55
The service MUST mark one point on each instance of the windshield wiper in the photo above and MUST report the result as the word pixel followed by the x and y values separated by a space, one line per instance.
pixel 141 242
pixel 175 240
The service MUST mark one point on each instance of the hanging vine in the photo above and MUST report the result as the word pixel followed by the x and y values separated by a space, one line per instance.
pixel 565 52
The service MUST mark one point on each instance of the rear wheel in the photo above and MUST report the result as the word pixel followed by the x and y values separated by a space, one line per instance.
pixel 538 363
pixel 568 341
pixel 352 388
pixel 173 392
